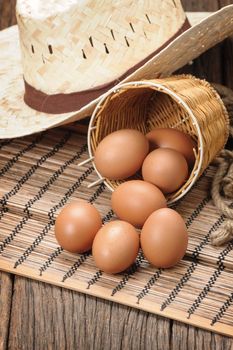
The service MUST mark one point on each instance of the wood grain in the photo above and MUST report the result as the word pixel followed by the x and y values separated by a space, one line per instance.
pixel 28 242
pixel 7 13
pixel 6 291
pixel 46 317
pixel 55 318
pixel 209 65
pixel 227 54
pixel 197 5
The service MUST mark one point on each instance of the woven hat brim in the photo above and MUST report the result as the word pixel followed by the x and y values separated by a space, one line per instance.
pixel 17 119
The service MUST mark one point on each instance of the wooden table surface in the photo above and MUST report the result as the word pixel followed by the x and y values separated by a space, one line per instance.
pixel 34 315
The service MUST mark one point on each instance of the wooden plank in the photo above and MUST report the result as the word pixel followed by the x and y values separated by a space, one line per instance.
pixel 6 286
pixel 7 18
pixel 208 65
pixel 49 317
pixel 227 54
pixel 7 13
pixel 182 336
pixel 199 5
pixel 87 322
pixel 36 257
pixel 55 318
pixel 185 337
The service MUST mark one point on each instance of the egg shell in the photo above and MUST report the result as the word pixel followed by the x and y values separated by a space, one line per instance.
pixel 133 201
pixel 165 168
pixel 174 139
pixel 120 154
pixel 115 246
pixel 76 226
pixel 164 238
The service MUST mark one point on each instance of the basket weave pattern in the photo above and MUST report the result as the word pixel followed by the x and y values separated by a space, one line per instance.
pixel 169 103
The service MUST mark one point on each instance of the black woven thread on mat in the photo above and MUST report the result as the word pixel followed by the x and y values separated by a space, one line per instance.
pixel 16 188
pixel 179 286
pixel 108 216
pixel 42 191
pixel 99 273
pixel 76 265
pixel 17 156
pixel 5 143
pixel 97 193
pixel 206 240
pixel 175 205
pixel 185 278
pixel 145 290
pixel 94 279
pixel 149 284
pixel 222 310
pixel 158 273
pixel 27 215
pixel 84 256
pixel 212 280
pixel 130 272
pixel 39 195
pixel 197 211
pixel 59 250
pixel 51 217
pixel 30 172
pixel 50 260
pixel 138 262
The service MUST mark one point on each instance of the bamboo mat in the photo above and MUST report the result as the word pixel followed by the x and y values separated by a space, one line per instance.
pixel 39 175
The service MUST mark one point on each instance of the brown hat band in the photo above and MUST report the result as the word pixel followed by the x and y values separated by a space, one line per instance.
pixel 71 102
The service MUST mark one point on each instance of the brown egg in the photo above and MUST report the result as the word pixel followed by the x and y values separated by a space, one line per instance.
pixel 121 154
pixel 164 238
pixel 115 246
pixel 174 139
pixel 165 168
pixel 133 201
pixel 76 226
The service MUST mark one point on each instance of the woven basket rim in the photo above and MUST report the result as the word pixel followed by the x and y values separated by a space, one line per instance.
pixel 157 87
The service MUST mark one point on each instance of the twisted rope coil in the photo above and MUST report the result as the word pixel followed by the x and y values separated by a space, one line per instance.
pixel 222 185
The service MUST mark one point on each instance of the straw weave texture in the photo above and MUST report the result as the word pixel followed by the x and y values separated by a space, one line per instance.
pixel 145 107
pixel 40 174
pixel 92 43
pixel 14 111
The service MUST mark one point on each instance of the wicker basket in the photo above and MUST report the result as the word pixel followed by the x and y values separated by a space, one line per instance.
pixel 181 102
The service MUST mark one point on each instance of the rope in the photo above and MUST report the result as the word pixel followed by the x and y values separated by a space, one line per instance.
pixel 222 185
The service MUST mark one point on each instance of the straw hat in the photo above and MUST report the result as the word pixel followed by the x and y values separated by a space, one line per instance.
pixel 74 51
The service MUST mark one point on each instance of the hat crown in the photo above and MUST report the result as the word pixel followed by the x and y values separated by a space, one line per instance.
pixel 42 8
pixel 75 45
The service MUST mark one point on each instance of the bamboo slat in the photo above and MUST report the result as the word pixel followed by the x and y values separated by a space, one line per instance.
pixel 39 174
